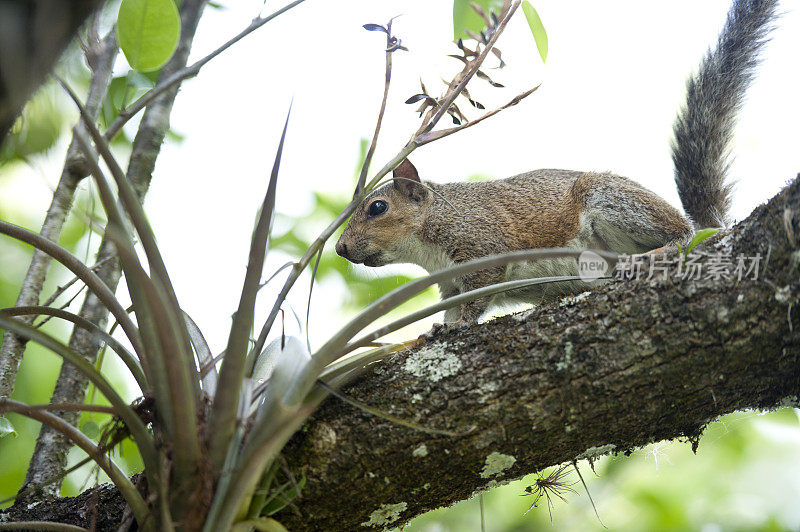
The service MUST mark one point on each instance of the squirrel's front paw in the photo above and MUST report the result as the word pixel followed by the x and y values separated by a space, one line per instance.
pixel 444 328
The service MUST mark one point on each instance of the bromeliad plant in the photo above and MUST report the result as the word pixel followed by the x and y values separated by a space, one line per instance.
pixel 210 438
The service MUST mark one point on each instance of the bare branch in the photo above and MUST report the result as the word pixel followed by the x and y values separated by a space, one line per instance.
pixel 456 86
pixel 436 135
pixel 61 289
pixel 362 178
pixel 103 54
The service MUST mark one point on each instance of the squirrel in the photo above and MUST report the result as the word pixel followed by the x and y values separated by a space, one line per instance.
pixel 438 225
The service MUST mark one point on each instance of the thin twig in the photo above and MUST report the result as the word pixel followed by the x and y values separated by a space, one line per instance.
pixel 310 291
pixel 575 466
pixel 362 178
pixel 101 58
pixel 66 304
pixel 75 407
pixel 61 289
pixel 456 86
pixel 436 135
pixel 188 72
pixel 42 525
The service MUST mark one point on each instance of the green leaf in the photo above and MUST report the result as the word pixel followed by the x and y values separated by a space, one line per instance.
pixel 465 18
pixel 91 429
pixel 37 129
pixel 6 428
pixel 537 28
pixel 282 496
pixel 148 32
pixel 700 236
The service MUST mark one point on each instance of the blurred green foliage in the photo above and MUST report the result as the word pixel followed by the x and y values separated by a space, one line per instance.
pixel 38 128
pixel 745 477
pixel 465 18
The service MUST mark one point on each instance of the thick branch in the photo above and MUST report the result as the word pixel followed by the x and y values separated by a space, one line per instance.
pixel 632 363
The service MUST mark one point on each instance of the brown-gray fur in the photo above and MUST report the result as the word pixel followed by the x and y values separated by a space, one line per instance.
pixel 704 128
pixel 438 225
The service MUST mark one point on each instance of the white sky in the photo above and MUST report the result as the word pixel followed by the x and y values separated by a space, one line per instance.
pixel 613 82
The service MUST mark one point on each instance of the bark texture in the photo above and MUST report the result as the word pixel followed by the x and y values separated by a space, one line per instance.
pixel 631 363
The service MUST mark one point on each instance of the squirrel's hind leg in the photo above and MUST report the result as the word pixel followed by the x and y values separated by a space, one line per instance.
pixel 622 216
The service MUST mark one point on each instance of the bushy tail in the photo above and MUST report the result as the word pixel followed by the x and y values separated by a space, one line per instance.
pixel 704 127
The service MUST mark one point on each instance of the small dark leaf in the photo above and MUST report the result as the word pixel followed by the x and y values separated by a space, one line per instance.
pixel 499 55
pixel 416 98
pixel 457 112
pixel 477 104
pixel 495 22
pixel 462 59
pixel 485 77
pixel 456 121
pixel 421 84
pixel 471 101
pixel 375 27
pixel 460 44
pixel 429 102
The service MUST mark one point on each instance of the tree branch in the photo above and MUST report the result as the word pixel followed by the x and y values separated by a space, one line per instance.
pixel 633 363
pixel 102 56
pixel 387 77
pixel 49 456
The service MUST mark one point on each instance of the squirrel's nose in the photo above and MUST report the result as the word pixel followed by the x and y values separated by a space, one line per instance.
pixel 341 249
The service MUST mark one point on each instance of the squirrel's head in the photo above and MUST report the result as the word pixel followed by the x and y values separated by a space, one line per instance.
pixel 386 222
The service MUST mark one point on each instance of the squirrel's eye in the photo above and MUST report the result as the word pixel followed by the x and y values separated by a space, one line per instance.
pixel 377 207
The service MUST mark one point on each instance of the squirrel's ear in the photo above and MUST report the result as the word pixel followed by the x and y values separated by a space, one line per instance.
pixel 407 182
